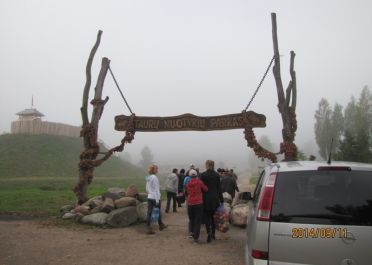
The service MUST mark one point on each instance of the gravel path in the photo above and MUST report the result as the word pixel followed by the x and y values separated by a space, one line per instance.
pixel 25 242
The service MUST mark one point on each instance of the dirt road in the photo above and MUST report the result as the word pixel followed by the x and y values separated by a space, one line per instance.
pixel 25 242
pixel 28 242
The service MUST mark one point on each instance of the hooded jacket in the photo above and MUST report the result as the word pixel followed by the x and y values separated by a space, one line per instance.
pixel 153 188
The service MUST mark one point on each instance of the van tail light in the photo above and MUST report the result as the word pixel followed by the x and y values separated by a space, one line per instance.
pixel 259 254
pixel 266 201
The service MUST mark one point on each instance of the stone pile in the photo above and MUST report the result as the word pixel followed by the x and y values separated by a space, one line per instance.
pixel 120 208
pixel 115 208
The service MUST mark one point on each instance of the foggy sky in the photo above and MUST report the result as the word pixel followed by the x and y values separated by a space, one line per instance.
pixel 174 57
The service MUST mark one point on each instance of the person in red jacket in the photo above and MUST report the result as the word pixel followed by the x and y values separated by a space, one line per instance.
pixel 194 189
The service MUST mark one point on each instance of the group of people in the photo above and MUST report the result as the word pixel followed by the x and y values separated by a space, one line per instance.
pixel 202 191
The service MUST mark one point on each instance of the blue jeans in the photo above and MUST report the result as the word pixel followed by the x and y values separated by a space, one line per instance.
pixel 151 204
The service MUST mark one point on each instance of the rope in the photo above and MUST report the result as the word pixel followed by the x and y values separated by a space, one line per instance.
pixel 121 93
pixel 260 84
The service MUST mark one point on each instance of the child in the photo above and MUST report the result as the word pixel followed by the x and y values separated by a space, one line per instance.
pixel 195 188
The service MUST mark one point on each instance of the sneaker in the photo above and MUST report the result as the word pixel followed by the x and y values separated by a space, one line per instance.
pixel 195 242
pixel 191 235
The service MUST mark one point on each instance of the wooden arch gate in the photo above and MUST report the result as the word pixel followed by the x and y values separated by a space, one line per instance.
pixel 246 120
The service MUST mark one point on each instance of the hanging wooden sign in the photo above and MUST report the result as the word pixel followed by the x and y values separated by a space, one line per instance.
pixel 190 122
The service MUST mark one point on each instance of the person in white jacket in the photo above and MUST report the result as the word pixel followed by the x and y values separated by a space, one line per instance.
pixel 171 187
pixel 153 198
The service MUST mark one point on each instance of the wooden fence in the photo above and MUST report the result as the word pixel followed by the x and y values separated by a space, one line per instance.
pixel 44 127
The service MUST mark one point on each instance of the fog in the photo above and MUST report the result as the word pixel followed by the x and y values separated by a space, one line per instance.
pixel 174 57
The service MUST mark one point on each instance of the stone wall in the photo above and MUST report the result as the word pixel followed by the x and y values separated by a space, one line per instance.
pixel 44 127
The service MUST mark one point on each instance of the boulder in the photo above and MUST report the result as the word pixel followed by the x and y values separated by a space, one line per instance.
pixel 239 215
pixel 66 209
pixel 132 191
pixel 113 193
pixel 78 217
pixel 142 197
pixel 142 211
pixel 94 219
pixel 125 202
pixel 122 217
pixel 98 209
pixel 68 216
pixel 94 202
pixel 108 205
pixel 116 190
pixel 84 210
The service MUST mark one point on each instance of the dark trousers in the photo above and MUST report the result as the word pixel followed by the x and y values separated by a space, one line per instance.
pixel 151 204
pixel 196 216
pixel 209 222
pixel 180 199
pixel 170 196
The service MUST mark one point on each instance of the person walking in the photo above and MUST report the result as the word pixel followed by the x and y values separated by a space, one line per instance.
pixel 153 198
pixel 171 187
pixel 229 185
pixel 181 193
pixel 233 174
pixel 212 198
pixel 195 188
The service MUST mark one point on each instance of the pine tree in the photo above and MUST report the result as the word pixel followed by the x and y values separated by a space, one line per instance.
pixel 322 127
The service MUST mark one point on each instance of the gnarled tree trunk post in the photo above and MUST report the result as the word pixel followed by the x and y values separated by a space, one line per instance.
pixel 287 101
pixel 89 130
pixel 286 106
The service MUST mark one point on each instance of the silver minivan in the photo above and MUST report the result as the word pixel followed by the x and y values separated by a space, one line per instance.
pixel 313 213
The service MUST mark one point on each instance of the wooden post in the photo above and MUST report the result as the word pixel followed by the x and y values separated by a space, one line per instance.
pixel 89 130
pixel 287 101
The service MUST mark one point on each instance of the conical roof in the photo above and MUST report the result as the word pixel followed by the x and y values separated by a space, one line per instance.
pixel 30 112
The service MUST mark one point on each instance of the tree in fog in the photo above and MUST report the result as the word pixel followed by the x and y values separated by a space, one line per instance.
pixel 356 147
pixel 337 127
pixel 146 157
pixel 329 124
pixel 356 144
pixel 322 127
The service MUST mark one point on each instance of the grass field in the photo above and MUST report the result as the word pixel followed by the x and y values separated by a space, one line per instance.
pixel 45 196
pixel 52 156
pixel 38 173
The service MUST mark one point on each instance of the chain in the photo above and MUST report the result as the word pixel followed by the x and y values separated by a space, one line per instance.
pixel 260 84
pixel 121 93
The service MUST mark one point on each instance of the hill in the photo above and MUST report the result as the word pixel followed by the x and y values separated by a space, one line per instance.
pixel 52 156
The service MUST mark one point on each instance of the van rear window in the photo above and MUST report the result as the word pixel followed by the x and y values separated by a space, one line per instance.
pixel 323 197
